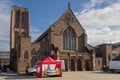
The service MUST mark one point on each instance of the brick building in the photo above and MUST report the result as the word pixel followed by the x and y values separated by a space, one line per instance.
pixel 65 40
pixel 5 58
pixel 103 55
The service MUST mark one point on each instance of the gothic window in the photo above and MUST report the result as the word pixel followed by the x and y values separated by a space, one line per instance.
pixel 17 18
pixel 98 62
pixel 39 51
pixel 26 54
pixel 109 57
pixel 24 19
pixel 34 52
pixel 69 39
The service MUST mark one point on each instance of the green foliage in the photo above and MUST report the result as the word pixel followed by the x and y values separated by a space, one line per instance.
pixel 28 65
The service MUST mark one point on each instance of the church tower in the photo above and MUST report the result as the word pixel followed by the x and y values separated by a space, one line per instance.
pixel 19 37
pixel 19 24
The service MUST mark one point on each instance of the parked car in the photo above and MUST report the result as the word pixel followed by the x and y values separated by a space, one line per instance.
pixel 31 71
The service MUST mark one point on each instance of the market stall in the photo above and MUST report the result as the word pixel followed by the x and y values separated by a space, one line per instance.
pixel 48 67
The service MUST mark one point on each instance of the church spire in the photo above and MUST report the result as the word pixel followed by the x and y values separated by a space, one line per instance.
pixel 69 4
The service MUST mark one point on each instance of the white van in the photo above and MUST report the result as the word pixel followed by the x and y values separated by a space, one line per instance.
pixel 114 66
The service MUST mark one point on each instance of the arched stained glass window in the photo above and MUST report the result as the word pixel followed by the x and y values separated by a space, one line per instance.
pixel 69 39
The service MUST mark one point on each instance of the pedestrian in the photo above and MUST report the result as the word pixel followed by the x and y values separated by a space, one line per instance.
pixel 0 68
pixel 2 65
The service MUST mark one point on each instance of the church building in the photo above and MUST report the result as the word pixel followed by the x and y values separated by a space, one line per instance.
pixel 65 39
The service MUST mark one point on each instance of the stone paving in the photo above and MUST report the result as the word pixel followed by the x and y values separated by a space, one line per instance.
pixel 8 73
pixel 86 75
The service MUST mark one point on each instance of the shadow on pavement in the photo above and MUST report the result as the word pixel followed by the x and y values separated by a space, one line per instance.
pixel 103 72
pixel 19 77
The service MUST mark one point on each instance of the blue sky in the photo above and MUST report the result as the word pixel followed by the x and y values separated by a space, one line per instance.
pixel 44 12
pixel 100 18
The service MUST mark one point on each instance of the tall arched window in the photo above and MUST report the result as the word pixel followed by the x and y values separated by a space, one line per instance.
pixel 33 52
pixel 26 54
pixel 69 39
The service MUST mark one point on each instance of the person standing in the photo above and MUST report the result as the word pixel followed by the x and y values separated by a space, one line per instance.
pixel 0 67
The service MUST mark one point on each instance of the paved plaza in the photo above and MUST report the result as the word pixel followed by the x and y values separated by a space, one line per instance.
pixel 86 75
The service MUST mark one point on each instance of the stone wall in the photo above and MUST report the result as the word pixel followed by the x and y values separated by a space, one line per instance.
pixel 25 46
pixel 98 63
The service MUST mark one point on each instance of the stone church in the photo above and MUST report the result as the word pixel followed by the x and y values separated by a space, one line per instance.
pixel 65 39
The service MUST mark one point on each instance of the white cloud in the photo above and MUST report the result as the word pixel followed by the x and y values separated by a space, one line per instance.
pixel 101 25
pixel 34 32
pixel 5 7
pixel 4 19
